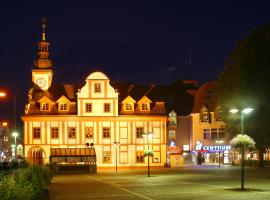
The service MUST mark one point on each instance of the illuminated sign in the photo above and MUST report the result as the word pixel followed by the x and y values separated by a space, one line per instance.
pixel 216 148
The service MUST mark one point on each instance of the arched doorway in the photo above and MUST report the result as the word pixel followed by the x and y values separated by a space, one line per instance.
pixel 36 155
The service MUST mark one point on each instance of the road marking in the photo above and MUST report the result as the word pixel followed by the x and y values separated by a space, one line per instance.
pixel 120 188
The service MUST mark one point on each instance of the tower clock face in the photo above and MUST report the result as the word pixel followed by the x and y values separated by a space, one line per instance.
pixel 41 82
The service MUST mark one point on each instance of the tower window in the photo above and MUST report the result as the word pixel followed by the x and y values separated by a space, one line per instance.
pixel 97 87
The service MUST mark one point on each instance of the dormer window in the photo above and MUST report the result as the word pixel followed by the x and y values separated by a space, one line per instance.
pixel 97 88
pixel 63 107
pixel 129 106
pixel 145 107
pixel 204 115
pixel 45 107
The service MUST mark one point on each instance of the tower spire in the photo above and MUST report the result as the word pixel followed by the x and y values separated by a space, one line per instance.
pixel 43 60
pixel 43 29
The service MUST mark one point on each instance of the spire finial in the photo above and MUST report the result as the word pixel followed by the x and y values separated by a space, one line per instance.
pixel 43 29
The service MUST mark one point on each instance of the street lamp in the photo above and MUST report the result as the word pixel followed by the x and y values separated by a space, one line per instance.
pixel 15 135
pixel 3 94
pixel 219 142
pixel 116 143
pixel 242 114
pixel 149 136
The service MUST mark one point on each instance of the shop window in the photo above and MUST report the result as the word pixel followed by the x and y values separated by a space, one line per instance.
pixel 89 132
pixel 139 157
pixel 106 132
pixel 139 132
pixel 71 132
pixel 206 134
pixel 54 132
pixel 36 132
pixel 106 157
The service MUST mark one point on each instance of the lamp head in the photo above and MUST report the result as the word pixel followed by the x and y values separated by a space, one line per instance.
pixel 15 134
pixel 234 111
pixel 247 110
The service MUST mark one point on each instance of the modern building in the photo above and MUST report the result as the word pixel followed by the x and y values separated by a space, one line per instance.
pixel 117 120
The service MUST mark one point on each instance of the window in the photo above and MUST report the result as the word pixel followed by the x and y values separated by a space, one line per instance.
pixel 45 107
pixel 204 115
pixel 106 132
pixel 97 88
pixel 206 134
pixel 36 133
pixel 54 132
pixel 219 114
pixel 89 132
pixel 71 132
pixel 129 107
pixel 107 157
pixel 5 138
pixel 139 132
pixel 214 134
pixel 63 107
pixel 107 107
pixel 139 157
pixel 88 107
pixel 221 133
pixel 144 106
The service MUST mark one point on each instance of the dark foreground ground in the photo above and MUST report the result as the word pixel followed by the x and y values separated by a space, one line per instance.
pixel 202 183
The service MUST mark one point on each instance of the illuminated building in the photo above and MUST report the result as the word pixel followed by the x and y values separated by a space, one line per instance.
pixel 70 116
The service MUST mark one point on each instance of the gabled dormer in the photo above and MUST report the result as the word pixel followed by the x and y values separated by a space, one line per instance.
pixel 204 114
pixel 128 104
pixel 144 104
pixel 63 104
pixel 45 104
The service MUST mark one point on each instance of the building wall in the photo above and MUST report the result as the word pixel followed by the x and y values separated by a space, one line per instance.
pixel 123 130
pixel 198 129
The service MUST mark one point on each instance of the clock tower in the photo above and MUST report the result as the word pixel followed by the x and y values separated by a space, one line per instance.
pixel 42 74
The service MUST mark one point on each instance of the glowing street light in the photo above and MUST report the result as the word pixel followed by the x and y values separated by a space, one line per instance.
pixel 243 112
pixel 3 94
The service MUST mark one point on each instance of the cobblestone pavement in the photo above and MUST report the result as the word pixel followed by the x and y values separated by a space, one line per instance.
pixel 207 182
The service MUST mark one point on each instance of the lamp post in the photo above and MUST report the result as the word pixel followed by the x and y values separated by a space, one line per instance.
pixel 242 114
pixel 219 142
pixel 116 143
pixel 15 135
pixel 149 136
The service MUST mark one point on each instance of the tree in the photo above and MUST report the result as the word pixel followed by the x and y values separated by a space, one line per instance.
pixel 245 82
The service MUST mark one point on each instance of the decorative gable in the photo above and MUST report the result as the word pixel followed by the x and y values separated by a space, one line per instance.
pixel 45 103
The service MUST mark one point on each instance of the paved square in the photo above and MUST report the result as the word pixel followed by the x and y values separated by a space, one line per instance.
pixel 204 183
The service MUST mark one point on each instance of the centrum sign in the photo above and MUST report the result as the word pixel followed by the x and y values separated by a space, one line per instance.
pixel 216 148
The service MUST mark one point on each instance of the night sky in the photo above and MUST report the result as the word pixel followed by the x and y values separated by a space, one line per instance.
pixel 131 41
